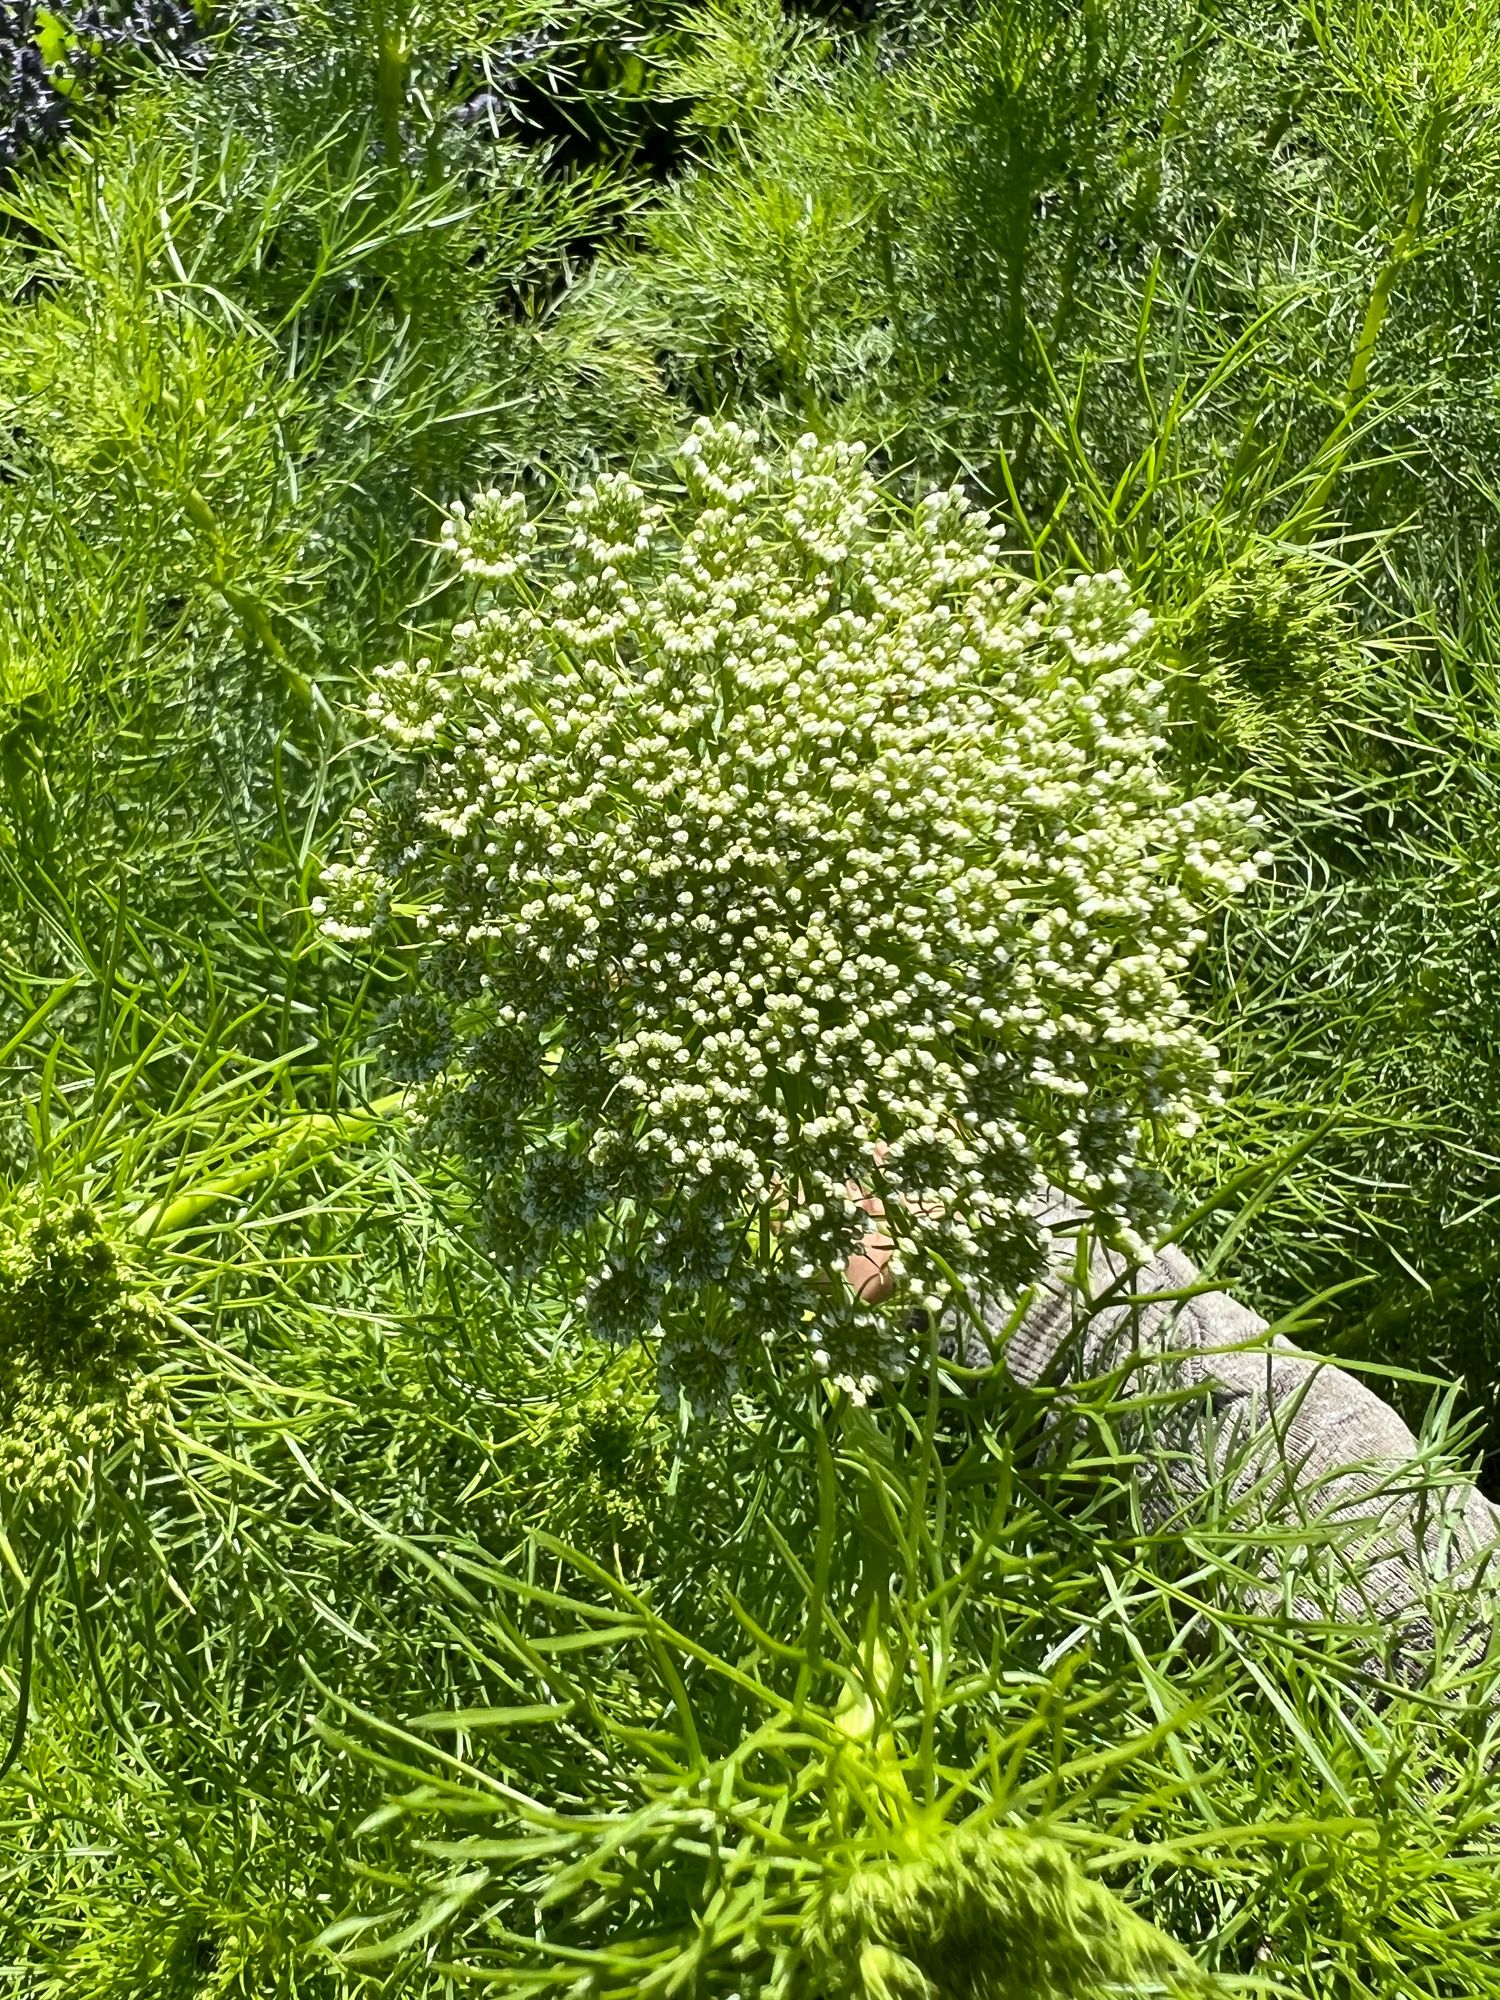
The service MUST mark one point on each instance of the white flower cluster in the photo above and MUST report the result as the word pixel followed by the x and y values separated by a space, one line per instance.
pixel 774 848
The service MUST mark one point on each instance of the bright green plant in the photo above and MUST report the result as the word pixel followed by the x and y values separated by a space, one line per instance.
pixel 803 1783
pixel 808 1702
pixel 1273 657
pixel 268 1358
pixel 938 1688
pixel 240 365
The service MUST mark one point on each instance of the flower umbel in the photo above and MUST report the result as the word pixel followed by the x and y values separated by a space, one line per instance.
pixel 779 847
pixel 994 1914
pixel 77 1349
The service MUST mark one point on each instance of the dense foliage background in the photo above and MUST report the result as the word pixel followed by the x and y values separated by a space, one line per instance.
pixel 362 1627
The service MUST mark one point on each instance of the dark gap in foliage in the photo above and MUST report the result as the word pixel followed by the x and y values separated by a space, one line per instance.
pixel 56 61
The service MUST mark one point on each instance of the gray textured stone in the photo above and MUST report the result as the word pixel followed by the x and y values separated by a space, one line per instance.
pixel 1264 1437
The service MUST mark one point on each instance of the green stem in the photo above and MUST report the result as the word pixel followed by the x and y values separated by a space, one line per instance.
pixel 1401 253
pixel 390 96
pixel 1303 50
pixel 392 70
pixel 302 1139
pixel 1148 185
pixel 23 1680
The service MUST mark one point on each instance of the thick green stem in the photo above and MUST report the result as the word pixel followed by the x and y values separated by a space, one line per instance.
pixel 392 71
pixel 309 1137
pixel 390 96
pixel 1402 251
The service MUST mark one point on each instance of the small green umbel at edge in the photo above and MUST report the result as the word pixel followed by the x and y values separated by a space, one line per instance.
pixel 78 1345
pixel 80 1340
pixel 990 1913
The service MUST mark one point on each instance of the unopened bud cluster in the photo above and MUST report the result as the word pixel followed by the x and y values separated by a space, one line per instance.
pixel 78 1351
pixel 772 846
